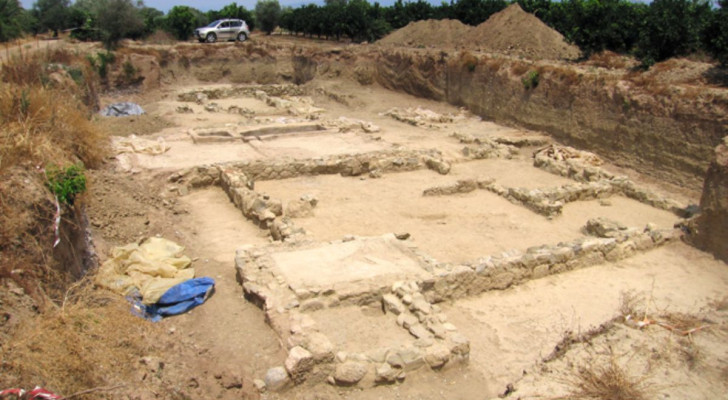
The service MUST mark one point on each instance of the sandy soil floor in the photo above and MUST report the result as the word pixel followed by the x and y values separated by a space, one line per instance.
pixel 511 331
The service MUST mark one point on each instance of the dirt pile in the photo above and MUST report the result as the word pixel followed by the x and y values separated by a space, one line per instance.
pixel 517 32
pixel 430 32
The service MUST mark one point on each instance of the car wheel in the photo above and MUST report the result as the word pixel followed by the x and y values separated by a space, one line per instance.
pixel 242 37
pixel 211 38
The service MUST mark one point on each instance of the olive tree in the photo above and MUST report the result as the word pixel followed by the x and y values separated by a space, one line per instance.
pixel 118 19
pixel 267 14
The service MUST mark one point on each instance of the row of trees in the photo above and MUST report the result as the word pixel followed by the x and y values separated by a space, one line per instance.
pixel 653 32
pixel 112 20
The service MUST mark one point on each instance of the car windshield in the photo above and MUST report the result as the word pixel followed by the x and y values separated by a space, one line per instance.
pixel 213 24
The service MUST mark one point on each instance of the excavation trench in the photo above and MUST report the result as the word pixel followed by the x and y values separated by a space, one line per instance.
pixel 378 237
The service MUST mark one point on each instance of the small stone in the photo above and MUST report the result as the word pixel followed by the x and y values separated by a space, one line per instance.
pixel 402 235
pixel 406 320
pixel 424 342
pixel 386 374
pixel 276 379
pixel 391 303
pixel 436 356
pixel 320 347
pixel 459 345
pixel 419 331
pixel 259 385
pixel 341 356
pixel 407 299
pixel 378 355
pixel 349 373
pixel 230 380
pixel 312 305
pixel 438 330
pixel 411 358
pixel 540 271
pixel 299 362
pixel 421 305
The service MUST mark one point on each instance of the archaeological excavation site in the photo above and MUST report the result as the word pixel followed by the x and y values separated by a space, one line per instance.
pixel 400 220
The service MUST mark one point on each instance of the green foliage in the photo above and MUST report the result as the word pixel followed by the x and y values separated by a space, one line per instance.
pixel 715 37
pixel 672 28
pixel 101 63
pixel 530 81
pixel 267 15
pixel 181 21
pixel 129 71
pixel 152 19
pixel 10 20
pixel 474 12
pixel 118 19
pixel 593 25
pixel 66 183
pixel 53 14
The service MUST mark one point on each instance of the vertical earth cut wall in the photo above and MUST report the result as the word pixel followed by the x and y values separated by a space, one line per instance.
pixel 667 133
pixel 712 224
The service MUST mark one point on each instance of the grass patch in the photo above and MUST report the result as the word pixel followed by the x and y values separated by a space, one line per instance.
pixel 66 183
pixel 530 81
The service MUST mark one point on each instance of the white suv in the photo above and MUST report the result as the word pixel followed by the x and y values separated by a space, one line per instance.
pixel 223 29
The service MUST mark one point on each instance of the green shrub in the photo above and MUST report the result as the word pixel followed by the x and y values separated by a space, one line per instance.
pixel 66 183
pixel 530 81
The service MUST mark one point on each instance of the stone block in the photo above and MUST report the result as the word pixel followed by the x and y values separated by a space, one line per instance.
pixel 276 379
pixel 437 356
pixel 540 271
pixel 385 373
pixel 419 331
pixel 390 303
pixel 349 373
pixel 421 305
pixel 299 362
pixel 406 320
pixel 320 347
pixel 459 345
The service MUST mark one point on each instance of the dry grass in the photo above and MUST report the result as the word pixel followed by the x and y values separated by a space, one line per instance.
pixel 519 68
pixel 611 60
pixel 160 37
pixel 42 126
pixel 91 340
pixel 608 382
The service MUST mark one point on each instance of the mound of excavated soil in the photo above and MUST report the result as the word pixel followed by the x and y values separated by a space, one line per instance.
pixel 514 31
pixel 429 32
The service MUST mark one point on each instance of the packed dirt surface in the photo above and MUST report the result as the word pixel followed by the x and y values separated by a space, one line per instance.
pixel 511 31
pixel 426 253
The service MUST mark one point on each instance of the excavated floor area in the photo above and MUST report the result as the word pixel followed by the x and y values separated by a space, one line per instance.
pixel 416 237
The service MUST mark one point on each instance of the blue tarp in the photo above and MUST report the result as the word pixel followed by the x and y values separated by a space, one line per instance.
pixel 177 300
